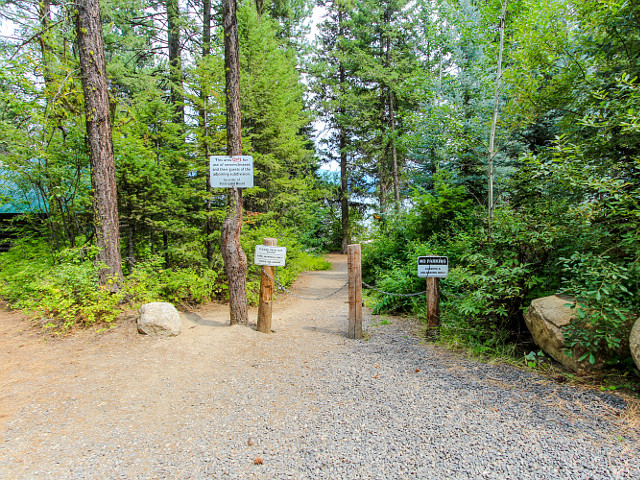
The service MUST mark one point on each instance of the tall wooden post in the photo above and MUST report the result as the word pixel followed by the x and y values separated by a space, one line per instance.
pixel 354 263
pixel 265 305
pixel 433 306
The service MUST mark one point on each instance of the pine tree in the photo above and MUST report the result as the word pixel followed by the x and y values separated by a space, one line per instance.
pixel 273 116
pixel 103 176
pixel 235 260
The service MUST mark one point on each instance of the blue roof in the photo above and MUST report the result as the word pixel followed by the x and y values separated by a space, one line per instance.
pixel 15 200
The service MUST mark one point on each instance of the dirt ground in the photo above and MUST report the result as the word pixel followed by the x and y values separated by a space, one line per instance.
pixel 90 369
pixel 111 404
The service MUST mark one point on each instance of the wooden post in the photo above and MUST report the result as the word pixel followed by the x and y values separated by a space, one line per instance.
pixel 265 305
pixel 354 262
pixel 433 306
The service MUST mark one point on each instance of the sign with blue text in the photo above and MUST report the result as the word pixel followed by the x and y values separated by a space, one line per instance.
pixel 433 267
pixel 231 171
pixel 270 256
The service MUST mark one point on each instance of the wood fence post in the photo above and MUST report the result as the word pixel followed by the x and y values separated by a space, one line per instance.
pixel 354 262
pixel 265 305
pixel 433 306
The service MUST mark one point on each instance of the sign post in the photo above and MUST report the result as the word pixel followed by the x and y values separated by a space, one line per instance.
pixel 265 304
pixel 433 269
pixel 354 265
pixel 433 306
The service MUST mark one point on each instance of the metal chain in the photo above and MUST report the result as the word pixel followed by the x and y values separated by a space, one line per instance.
pixel 285 289
pixel 394 294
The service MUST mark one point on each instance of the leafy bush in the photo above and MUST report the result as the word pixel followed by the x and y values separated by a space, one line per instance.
pixel 61 289
pixel 494 273
pixel 149 282
pixel 298 260
pixel 604 307
pixel 485 296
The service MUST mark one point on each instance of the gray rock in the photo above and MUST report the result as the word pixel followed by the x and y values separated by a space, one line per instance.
pixel 160 319
pixel 545 319
pixel 634 343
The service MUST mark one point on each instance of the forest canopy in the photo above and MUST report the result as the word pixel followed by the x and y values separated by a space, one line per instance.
pixel 502 134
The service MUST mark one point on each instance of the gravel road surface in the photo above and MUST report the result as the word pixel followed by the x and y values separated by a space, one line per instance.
pixel 221 402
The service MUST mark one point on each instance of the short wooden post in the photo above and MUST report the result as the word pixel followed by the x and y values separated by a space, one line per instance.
pixel 433 306
pixel 354 263
pixel 265 305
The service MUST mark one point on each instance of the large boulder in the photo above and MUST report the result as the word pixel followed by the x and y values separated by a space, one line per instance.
pixel 159 319
pixel 634 343
pixel 545 319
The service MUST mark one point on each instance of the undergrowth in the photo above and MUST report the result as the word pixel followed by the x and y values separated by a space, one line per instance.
pixel 61 289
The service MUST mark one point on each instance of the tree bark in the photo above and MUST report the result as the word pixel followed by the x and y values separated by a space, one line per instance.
pixel 382 161
pixel 259 7
pixel 392 116
pixel 45 48
pixel 344 184
pixel 103 172
pixel 394 151
pixel 494 117
pixel 235 261
pixel 344 192
pixel 175 63
pixel 204 123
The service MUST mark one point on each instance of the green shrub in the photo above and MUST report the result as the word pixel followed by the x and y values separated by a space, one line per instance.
pixel 298 260
pixel 61 289
pixel 149 282
pixel 486 295
pixel 604 308
pixel 493 274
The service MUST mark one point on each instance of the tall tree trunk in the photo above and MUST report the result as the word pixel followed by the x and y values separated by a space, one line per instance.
pixel 103 171
pixel 344 184
pixel 383 196
pixel 45 51
pixel 204 123
pixel 45 48
pixel 494 117
pixel 177 99
pixel 392 115
pixel 131 241
pixel 259 7
pixel 344 192
pixel 382 162
pixel 394 150
pixel 175 63
pixel 235 261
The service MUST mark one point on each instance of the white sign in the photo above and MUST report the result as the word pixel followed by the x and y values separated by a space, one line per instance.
pixel 270 256
pixel 227 172
pixel 433 267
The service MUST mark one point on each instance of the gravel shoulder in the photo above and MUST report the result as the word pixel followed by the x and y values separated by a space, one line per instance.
pixel 220 402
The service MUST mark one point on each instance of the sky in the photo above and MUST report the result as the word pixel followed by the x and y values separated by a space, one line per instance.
pixel 320 128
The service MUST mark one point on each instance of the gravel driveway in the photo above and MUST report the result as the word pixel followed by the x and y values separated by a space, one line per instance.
pixel 221 402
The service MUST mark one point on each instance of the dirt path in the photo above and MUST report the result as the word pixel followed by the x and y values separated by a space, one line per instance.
pixel 110 367
pixel 308 401
pixel 52 389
